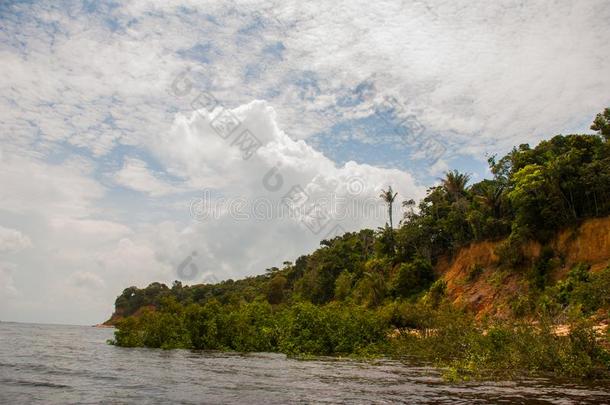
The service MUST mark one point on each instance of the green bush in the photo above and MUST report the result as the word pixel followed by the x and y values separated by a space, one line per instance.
pixel 541 268
pixel 436 293
pixel 250 328
pixel 510 252
pixel 522 305
pixel 505 350
pixel 333 329
pixel 451 338
pixel 412 277
pixel 343 285
pixel 592 293
pixel 128 333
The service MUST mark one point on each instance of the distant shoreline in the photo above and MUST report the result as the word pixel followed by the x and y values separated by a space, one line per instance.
pixel 101 325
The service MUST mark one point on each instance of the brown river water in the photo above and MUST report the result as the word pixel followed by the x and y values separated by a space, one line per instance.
pixel 54 364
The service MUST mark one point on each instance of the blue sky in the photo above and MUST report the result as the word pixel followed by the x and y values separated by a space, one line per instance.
pixel 103 159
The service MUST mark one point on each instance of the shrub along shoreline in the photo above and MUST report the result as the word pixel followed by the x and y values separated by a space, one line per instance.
pixel 447 337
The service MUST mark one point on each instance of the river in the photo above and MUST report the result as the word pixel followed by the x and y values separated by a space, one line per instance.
pixel 73 364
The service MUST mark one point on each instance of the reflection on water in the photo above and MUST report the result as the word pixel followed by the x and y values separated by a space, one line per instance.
pixel 73 364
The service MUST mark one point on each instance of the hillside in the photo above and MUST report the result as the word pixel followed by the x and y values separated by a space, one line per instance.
pixel 476 279
pixel 540 215
pixel 495 266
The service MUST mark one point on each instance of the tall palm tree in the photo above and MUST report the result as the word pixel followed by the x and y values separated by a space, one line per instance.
pixel 455 182
pixel 389 196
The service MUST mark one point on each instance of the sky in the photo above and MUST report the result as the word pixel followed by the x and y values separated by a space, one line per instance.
pixel 147 141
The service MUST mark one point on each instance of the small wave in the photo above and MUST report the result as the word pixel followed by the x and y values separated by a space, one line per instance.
pixel 35 383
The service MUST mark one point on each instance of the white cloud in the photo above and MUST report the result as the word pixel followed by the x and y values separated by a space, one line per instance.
pixel 195 151
pixel 484 76
pixel 237 242
pixel 7 284
pixel 12 240
pixel 31 185
pixel 130 262
pixel 102 230
pixel 438 168
pixel 489 70
pixel 136 175
pixel 87 280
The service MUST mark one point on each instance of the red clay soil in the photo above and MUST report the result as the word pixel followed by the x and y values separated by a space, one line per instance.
pixel 491 290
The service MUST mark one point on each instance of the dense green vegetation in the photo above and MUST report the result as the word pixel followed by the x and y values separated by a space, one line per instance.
pixel 374 292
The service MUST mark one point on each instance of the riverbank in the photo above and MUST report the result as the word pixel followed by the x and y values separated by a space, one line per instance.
pixel 452 339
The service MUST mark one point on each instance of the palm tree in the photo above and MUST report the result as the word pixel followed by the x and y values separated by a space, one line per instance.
pixel 455 182
pixel 389 196
pixel 489 193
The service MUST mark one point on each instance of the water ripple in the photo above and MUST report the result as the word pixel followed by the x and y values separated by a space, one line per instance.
pixel 73 364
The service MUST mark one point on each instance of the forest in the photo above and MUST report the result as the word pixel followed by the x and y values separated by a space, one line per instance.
pixel 376 292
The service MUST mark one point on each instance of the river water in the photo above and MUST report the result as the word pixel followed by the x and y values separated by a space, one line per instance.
pixel 73 364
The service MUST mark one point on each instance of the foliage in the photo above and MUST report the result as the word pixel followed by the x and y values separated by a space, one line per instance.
pixel 333 329
pixel 601 124
pixel 436 293
pixel 466 350
pixel 302 328
pixel 343 285
pixel 474 272
pixel 353 292
pixel 412 278
pixel 429 329
pixel 388 196
pixel 542 267
pixel 580 290
pixel 275 295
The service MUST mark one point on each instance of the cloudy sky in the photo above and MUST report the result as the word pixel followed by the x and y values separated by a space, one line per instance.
pixel 134 134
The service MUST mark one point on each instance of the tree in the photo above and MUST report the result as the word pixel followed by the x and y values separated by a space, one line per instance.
pixel 272 271
pixel 384 243
pixel 489 194
pixel 370 289
pixel 275 294
pixel 408 205
pixel 412 277
pixel 454 183
pixel 388 196
pixel 343 285
pixel 601 124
